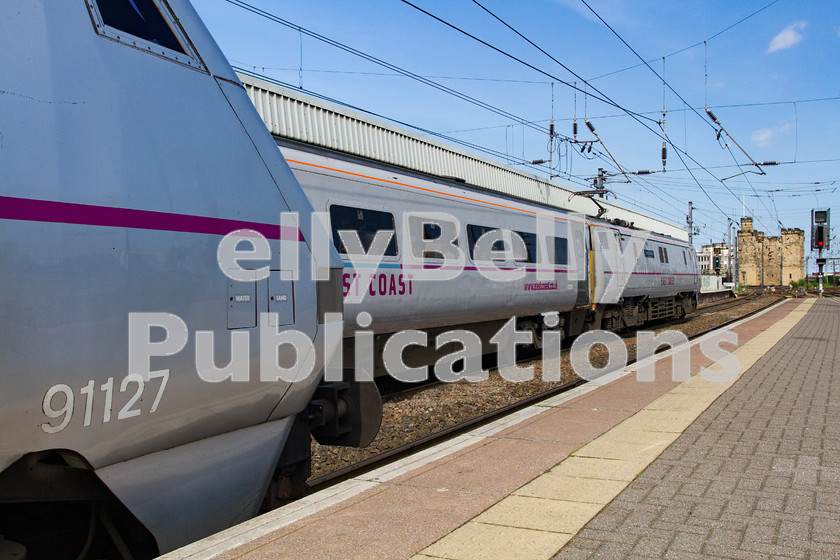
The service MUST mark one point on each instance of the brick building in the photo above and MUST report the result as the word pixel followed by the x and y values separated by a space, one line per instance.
pixel 770 261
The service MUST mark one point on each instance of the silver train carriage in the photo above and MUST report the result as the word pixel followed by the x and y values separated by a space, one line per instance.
pixel 583 273
pixel 136 411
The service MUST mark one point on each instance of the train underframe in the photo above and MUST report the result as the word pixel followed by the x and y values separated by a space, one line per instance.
pixel 633 312
pixel 630 313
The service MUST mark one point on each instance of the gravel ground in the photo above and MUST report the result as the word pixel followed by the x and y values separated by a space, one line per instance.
pixel 414 416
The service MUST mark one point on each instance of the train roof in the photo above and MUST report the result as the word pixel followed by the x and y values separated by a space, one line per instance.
pixel 293 115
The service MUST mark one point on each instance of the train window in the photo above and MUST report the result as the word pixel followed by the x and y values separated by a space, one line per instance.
pixel 474 233
pixel 605 243
pixel 649 254
pixel 431 232
pixel 366 223
pixel 140 18
pixel 685 258
pixel 561 250
pixel 425 228
pixel 663 255
pixel 530 246
pixel 580 246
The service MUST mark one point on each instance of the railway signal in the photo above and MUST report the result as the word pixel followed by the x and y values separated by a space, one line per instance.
pixel 820 226
pixel 820 229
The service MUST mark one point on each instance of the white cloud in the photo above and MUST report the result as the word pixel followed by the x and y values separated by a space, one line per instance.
pixel 763 137
pixel 788 37
pixel 768 136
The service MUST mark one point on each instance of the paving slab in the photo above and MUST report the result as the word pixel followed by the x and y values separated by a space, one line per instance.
pixel 613 461
pixel 481 541
pixel 757 475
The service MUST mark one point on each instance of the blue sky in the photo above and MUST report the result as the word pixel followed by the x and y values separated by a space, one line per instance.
pixel 772 81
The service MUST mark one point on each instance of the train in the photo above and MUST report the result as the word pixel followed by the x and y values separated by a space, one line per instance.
pixel 129 152
pixel 555 270
pixel 166 350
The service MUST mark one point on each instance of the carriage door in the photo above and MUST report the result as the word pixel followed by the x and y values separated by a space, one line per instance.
pixel 580 248
pixel 607 275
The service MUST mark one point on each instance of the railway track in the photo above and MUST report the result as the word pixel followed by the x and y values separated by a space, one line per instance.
pixel 725 304
pixel 380 459
pixel 391 388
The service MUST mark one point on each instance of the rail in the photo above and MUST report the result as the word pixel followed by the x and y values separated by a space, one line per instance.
pixel 370 463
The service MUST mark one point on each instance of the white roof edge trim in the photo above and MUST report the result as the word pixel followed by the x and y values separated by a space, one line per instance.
pixel 296 116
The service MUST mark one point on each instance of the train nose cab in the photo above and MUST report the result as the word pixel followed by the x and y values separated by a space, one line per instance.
pixel 150 379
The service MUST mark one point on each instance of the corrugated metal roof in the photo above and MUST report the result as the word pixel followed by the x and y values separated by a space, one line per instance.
pixel 296 116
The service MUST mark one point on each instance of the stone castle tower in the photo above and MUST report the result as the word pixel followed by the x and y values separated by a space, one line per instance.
pixel 770 261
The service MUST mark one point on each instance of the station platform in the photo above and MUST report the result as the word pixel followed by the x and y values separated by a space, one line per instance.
pixel 715 295
pixel 727 466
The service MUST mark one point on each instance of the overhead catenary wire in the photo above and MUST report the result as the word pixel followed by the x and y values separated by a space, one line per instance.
pixel 632 114
pixel 680 97
pixel 360 73
pixel 276 19
pixel 700 183
pixel 664 145
pixel 753 189
pixel 263 68
pixel 683 110
pixel 370 58
pixel 711 115
pixel 520 61
pixel 574 86
pixel 686 184
pixel 651 68
pixel 682 50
